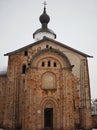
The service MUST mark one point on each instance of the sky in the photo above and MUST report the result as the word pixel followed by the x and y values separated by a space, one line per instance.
pixel 74 22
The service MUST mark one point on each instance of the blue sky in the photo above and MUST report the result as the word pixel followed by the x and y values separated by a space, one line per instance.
pixel 74 22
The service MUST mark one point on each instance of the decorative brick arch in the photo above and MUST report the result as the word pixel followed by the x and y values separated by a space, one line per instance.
pixel 48 99
pixel 54 53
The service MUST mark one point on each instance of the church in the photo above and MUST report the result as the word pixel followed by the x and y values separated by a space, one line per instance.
pixel 46 86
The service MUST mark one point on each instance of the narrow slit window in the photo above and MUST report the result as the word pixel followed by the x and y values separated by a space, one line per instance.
pixel 74 104
pixel 23 69
pixel 25 53
pixel 43 64
pixel 49 63
pixel 55 64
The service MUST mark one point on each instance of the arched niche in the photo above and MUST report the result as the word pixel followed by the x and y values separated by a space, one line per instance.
pixel 48 81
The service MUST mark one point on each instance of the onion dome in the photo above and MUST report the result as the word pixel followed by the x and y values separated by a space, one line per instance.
pixel 44 30
pixel 44 18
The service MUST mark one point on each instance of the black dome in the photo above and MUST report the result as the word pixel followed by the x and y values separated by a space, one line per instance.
pixel 44 18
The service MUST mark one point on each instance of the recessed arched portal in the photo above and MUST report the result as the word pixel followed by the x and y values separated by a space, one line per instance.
pixel 49 109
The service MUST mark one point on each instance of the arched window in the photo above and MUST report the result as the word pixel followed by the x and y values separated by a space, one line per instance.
pixel 55 64
pixel 47 46
pixel 24 69
pixel 43 64
pixel 49 63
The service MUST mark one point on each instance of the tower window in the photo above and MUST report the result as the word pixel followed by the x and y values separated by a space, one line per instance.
pixel 43 64
pixel 25 53
pixel 49 63
pixel 55 64
pixel 23 69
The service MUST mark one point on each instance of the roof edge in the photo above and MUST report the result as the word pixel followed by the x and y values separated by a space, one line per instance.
pixel 46 38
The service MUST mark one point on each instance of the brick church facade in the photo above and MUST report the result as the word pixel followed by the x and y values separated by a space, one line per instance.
pixel 46 86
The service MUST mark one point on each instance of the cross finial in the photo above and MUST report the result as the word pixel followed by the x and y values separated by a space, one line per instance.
pixel 45 4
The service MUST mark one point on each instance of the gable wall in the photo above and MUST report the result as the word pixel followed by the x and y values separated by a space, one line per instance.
pixel 74 58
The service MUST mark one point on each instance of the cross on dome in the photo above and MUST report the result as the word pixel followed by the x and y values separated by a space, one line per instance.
pixel 44 4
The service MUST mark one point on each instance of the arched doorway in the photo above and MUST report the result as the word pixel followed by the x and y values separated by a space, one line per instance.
pixel 49 113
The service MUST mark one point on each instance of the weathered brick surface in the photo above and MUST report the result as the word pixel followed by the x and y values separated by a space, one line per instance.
pixel 59 87
pixel 94 121
pixel 3 82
